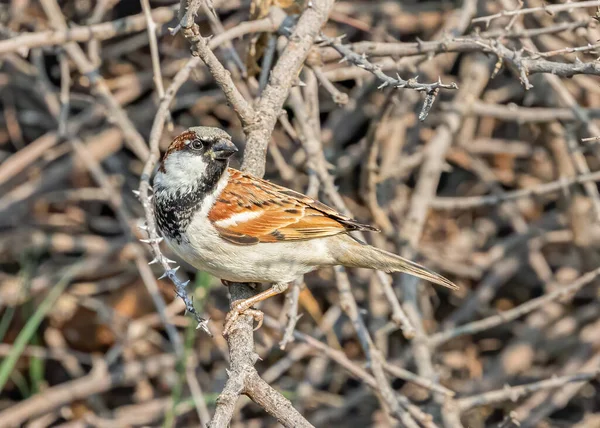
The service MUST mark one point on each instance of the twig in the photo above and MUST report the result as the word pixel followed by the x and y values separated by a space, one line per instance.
pixel 282 77
pixel 267 62
pixel 431 89
pixel 265 25
pixel 293 316
pixel 99 380
pixel 590 139
pixel 520 114
pixel 513 393
pixel 374 357
pixel 340 98
pixel 233 60
pixel 340 358
pixel 104 31
pixel 534 410
pixel 200 48
pixel 151 27
pixel 469 202
pixel 510 315
pixel 553 8
pixel 132 136
pixel 471 43
pixel 314 150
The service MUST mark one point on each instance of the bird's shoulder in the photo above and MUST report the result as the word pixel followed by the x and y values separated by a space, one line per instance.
pixel 250 210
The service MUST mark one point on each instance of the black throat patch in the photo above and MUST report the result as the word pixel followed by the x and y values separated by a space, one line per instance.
pixel 174 209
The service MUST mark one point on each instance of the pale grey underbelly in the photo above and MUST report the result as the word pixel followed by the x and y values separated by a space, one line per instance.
pixel 256 263
pixel 264 262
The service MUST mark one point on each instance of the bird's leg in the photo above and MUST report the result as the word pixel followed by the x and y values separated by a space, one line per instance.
pixel 242 307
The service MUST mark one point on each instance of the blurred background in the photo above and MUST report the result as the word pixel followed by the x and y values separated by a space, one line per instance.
pixel 495 189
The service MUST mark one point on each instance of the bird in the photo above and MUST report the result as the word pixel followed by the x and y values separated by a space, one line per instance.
pixel 241 228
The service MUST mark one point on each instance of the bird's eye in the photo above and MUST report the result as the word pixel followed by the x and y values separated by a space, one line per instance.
pixel 197 145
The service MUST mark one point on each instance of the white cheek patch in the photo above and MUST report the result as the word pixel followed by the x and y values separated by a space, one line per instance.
pixel 183 171
pixel 235 219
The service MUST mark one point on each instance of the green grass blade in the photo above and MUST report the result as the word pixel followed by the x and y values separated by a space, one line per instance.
pixel 32 325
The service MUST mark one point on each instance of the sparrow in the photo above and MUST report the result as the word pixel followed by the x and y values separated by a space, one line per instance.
pixel 241 228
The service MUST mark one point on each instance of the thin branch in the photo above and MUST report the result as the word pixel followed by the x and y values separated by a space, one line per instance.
pixel 431 89
pixel 201 48
pixel 293 317
pixel 99 380
pixel 360 373
pixel 282 77
pixel 512 314
pixel 471 43
pixel 132 136
pixel 151 27
pixel 469 202
pixel 513 393
pixel 103 31
pixel 546 8
pixel 339 97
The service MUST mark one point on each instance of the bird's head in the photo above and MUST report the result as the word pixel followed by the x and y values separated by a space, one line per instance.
pixel 199 154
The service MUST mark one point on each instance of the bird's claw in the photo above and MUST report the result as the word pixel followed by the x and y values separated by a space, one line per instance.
pixel 241 309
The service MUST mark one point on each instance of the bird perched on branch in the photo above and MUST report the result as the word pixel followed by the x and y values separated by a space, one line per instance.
pixel 241 228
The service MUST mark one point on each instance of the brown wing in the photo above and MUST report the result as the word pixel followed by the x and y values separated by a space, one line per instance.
pixel 251 210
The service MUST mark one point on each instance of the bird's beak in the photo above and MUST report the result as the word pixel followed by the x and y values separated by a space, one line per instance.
pixel 223 149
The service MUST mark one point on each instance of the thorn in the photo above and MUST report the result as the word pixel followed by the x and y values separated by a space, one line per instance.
pixel 142 227
pixel 185 283
pixel 228 372
pixel 168 260
pixel 152 240
pixel 136 193
pixel 153 261
pixel 164 275
pixel 383 85
pixel 204 326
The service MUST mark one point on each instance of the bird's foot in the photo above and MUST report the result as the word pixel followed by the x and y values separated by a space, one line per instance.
pixel 243 307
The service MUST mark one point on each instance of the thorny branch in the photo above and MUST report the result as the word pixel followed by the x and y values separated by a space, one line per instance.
pixel 431 89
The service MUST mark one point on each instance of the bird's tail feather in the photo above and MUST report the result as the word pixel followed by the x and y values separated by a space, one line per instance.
pixel 371 257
